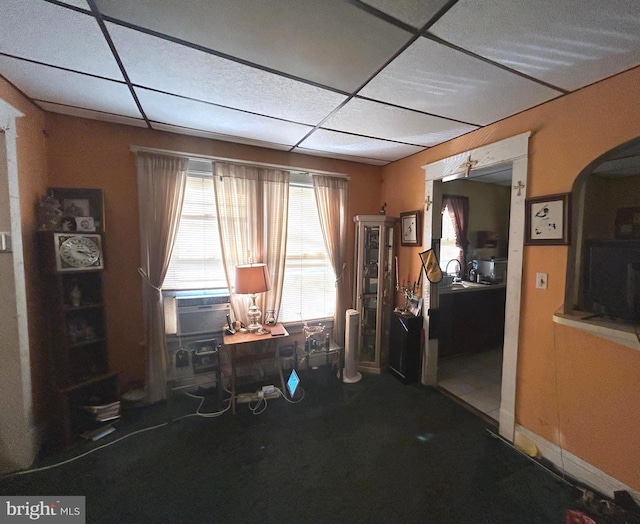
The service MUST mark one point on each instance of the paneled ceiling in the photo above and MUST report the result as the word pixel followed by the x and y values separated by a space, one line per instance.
pixel 371 82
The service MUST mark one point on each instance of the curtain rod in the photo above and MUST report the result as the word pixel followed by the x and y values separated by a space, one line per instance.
pixel 195 156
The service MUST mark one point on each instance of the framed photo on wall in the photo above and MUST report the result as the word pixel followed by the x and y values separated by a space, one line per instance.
pixel 411 228
pixel 547 220
pixel 82 209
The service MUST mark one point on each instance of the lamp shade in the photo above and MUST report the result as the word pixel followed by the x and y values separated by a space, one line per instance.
pixel 252 278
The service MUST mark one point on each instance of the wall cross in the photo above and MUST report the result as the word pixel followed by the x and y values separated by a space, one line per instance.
pixel 428 202
pixel 468 165
pixel 520 186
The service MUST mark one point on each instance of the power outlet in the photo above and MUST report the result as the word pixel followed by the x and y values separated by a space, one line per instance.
pixel 541 280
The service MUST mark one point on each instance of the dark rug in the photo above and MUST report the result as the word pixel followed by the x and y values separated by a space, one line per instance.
pixel 375 451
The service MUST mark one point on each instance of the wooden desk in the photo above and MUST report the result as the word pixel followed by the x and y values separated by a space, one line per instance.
pixel 270 343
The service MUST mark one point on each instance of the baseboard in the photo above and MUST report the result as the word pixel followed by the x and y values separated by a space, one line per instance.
pixel 577 468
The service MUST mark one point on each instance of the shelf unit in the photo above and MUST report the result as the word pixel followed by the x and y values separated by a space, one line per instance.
pixel 78 355
pixel 373 290
pixel 405 347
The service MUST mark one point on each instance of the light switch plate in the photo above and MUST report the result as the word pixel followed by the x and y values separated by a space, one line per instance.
pixel 541 280
pixel 5 242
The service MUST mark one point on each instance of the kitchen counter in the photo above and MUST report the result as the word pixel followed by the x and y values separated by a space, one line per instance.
pixel 471 318
pixel 464 286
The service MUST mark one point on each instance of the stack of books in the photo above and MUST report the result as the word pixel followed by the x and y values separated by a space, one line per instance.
pixel 104 412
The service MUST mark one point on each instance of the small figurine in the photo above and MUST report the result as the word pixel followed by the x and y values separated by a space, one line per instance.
pixel 383 209
pixel 49 213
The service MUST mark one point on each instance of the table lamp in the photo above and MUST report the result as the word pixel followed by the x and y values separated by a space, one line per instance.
pixel 252 279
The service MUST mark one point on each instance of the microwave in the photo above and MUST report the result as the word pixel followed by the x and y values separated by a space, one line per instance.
pixel 494 270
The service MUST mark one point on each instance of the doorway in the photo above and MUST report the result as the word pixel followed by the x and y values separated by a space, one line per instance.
pixel 471 330
pixel 513 152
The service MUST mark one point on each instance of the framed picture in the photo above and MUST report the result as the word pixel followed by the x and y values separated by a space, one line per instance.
pixel 80 203
pixel 411 228
pixel 547 220
pixel 415 305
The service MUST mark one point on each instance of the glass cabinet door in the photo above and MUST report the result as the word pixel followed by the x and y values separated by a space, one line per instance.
pixel 369 286
pixel 373 290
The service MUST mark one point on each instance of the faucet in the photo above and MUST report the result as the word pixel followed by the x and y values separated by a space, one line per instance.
pixel 446 269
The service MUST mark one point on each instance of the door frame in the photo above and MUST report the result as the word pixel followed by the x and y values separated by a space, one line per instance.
pixel 514 151
pixel 18 433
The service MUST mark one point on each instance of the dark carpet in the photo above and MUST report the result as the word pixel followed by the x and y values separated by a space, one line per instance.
pixel 375 451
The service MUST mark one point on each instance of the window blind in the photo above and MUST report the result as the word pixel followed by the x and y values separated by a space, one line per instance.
pixel 309 283
pixel 196 262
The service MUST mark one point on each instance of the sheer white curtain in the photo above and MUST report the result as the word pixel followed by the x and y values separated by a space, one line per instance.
pixel 331 199
pixel 252 204
pixel 161 184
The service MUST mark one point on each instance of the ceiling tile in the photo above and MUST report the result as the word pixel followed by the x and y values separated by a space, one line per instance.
pixel 77 3
pixel 215 136
pixel 439 80
pixel 569 44
pixel 331 43
pixel 338 156
pixel 173 68
pixel 357 146
pixel 92 115
pixel 55 35
pixel 365 117
pixel 170 109
pixel 74 89
pixel 416 13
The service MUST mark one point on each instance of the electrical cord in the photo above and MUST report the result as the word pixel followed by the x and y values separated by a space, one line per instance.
pixel 290 400
pixel 197 413
pixel 258 408
pixel 72 459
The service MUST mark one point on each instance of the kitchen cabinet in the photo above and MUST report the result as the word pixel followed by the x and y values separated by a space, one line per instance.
pixel 471 320
pixel 374 288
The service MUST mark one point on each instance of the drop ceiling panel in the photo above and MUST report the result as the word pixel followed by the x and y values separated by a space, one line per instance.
pixel 187 113
pixel 91 115
pixel 55 35
pixel 331 43
pixel 74 89
pixel 215 136
pixel 416 13
pixel 365 117
pixel 77 3
pixel 358 146
pixel 569 44
pixel 338 156
pixel 174 68
pixel 437 79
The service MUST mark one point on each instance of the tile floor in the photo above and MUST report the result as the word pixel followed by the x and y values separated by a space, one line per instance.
pixel 475 379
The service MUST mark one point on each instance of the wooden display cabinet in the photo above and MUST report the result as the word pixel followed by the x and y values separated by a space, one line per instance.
pixel 78 353
pixel 374 288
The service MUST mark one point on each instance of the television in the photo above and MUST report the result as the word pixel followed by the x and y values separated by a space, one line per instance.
pixel 612 279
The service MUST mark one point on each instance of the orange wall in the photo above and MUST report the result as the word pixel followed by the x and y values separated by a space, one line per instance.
pixel 86 153
pixel 32 173
pixel 567 134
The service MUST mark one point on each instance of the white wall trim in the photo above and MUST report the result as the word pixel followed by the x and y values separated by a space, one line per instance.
pixel 575 467
pixel 19 437
pixel 513 150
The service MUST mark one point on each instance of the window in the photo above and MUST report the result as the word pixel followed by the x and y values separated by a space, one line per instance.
pixel 196 262
pixel 309 283
pixel 448 248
